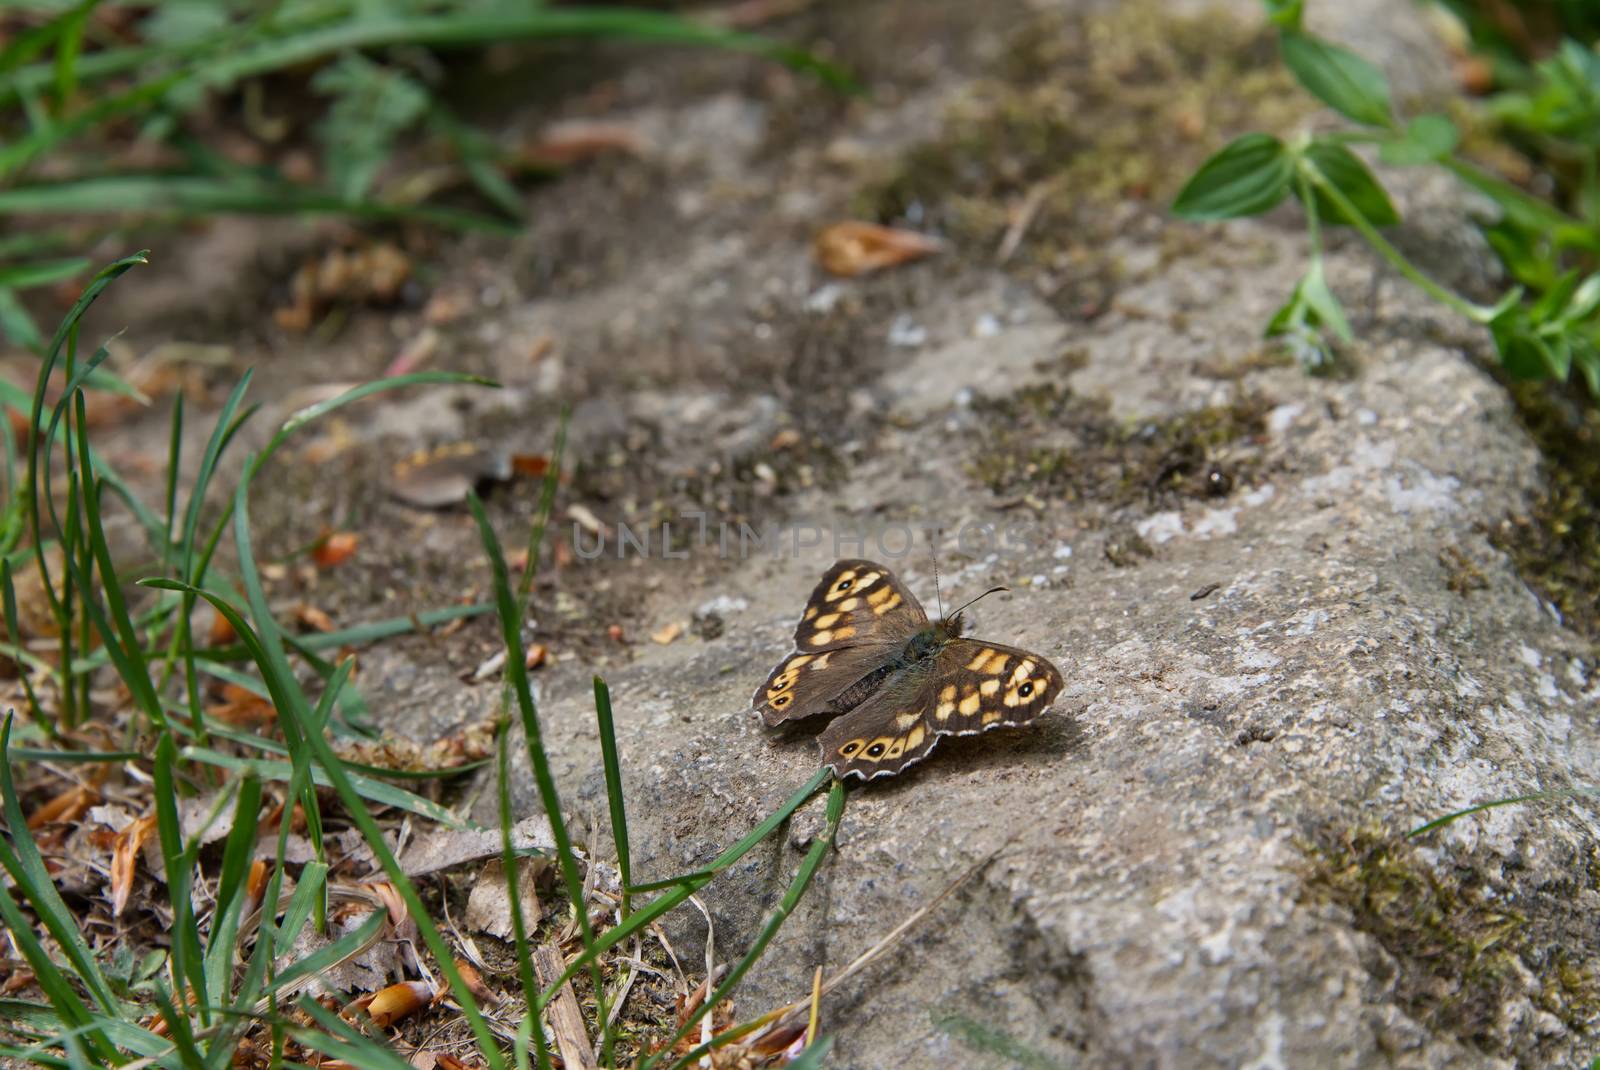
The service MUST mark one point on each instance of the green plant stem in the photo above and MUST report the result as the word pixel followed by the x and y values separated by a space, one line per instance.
pixel 1476 313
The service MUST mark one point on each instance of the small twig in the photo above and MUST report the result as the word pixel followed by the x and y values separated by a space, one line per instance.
pixel 1023 220
pixel 566 1017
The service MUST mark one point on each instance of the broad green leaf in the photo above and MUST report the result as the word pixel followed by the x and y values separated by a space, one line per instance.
pixel 1344 170
pixel 1249 176
pixel 1285 14
pixel 1523 353
pixel 1427 138
pixel 1339 78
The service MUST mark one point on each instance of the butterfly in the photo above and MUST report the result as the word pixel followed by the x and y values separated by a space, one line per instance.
pixel 866 653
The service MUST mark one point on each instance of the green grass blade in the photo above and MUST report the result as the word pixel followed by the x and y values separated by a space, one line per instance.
pixel 21 859
pixel 141 98
pixel 43 272
pixel 231 890
pixel 375 791
pixel 179 1030
pixel 338 1039
pixel 8 596
pixel 775 920
pixel 1537 796
pixel 619 808
pixel 517 674
pixel 188 961
pixel 661 905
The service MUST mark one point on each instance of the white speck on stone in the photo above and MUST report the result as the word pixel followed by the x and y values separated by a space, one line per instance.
pixel 1161 527
pixel 1373 455
pixel 1040 580
pixel 1259 496
pixel 1217 522
pixel 824 299
pixel 1307 622
pixel 1366 417
pixel 987 326
pixel 1281 418
pixel 1547 687
pixel 1426 493
pixel 1530 657
pixel 1062 552
pixel 1061 570
pixel 905 333
pixel 963 398
pixel 723 605
pixel 1257 659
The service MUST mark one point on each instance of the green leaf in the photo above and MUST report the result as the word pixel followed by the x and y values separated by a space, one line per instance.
pixel 1523 353
pixel 1285 14
pixel 1324 306
pixel 1586 358
pixel 43 272
pixel 1249 176
pixel 372 106
pixel 1339 78
pixel 1427 138
pixel 1344 170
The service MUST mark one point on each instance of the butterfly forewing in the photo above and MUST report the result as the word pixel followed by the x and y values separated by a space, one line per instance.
pixel 857 617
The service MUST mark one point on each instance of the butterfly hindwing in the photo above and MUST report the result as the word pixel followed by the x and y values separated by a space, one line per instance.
pixel 856 618
pixel 989 685
pixel 886 733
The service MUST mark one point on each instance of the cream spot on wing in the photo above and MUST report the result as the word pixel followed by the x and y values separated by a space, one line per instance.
pixel 849 604
pixel 868 580
pixel 890 604
pixel 988 687
pixel 978 660
pixel 948 694
pixel 827 620
pixel 876 597
pixel 945 710
pixel 843 633
pixel 822 661
pixel 991 717
pixel 822 639
pixel 799 660
pixel 906 720
pixel 997 664
pixel 876 749
pixel 811 611
pixel 897 748
pixel 914 737
pixel 970 704
pixel 1022 672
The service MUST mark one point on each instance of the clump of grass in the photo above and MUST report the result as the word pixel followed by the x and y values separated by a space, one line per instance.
pixel 90 93
pixel 231 987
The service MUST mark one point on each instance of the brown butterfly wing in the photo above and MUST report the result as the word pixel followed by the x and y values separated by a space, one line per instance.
pixel 856 619
pixel 989 685
pixel 887 732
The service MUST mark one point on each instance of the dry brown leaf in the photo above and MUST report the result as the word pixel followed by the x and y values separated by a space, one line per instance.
pixel 243 708
pixel 576 140
pixel 855 248
pixel 435 478
pixel 67 806
pixel 124 860
pixel 389 1005
pixel 537 655
pixel 335 549
pixel 310 616
pixel 371 275
pixel 666 633
pixel 450 1062
pixel 474 980
pixel 221 633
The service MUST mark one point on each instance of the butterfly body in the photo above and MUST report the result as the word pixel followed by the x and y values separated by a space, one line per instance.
pixel 866 653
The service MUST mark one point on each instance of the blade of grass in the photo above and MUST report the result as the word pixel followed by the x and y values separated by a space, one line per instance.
pixel 1537 796
pixel 619 809
pixel 374 790
pixel 344 1041
pixel 231 890
pixel 775 920
pixel 511 867
pixel 517 674
pixel 8 594
pixel 188 960
pixel 643 916
pixel 43 272
pixel 21 859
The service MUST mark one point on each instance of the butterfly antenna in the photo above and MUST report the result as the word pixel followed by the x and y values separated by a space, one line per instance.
pixel 985 594
pixel 933 552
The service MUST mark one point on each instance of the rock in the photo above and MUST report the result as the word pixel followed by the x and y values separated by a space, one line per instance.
pixel 1202 860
